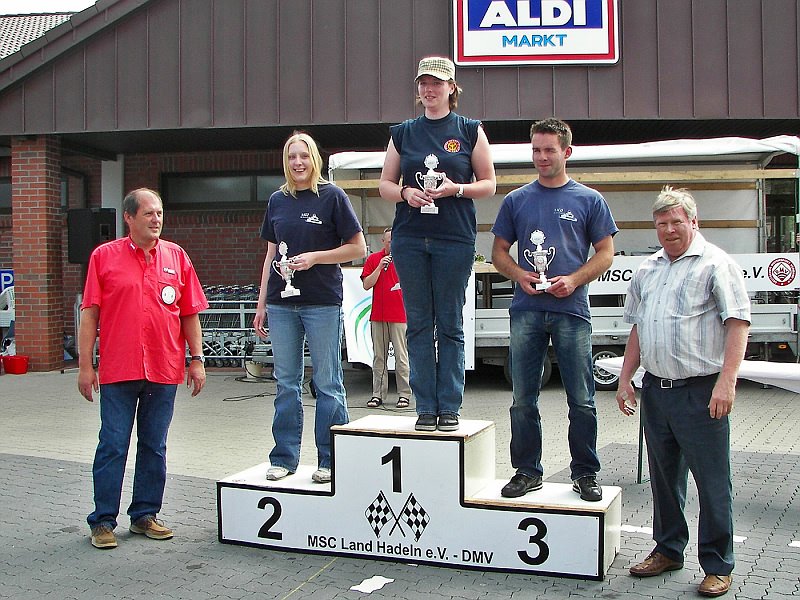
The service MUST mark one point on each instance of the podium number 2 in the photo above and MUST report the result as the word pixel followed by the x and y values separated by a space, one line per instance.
pixel 394 457
pixel 265 532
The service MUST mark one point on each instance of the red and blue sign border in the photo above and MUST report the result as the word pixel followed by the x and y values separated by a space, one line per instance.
pixel 609 57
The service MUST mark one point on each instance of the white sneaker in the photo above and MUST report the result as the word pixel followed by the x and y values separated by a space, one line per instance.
pixel 322 476
pixel 275 473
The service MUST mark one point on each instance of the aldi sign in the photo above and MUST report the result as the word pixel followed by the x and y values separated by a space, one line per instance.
pixel 531 32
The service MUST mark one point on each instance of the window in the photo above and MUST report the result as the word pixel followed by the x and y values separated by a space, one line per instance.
pixel 204 190
pixel 5 194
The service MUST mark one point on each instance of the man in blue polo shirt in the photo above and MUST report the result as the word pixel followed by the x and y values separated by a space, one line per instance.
pixel 554 221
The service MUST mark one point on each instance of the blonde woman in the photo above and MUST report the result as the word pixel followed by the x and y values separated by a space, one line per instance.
pixel 315 221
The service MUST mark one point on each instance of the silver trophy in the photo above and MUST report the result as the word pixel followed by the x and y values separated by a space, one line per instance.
pixel 430 181
pixel 284 269
pixel 538 258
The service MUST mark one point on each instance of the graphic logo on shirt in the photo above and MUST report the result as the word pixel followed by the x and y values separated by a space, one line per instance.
pixel 566 216
pixel 168 294
pixel 781 271
pixel 452 146
pixel 168 270
pixel 311 218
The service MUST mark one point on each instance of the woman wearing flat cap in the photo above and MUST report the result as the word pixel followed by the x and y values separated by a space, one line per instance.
pixel 433 235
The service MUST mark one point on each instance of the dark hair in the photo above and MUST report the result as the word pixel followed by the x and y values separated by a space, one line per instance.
pixel 556 126
pixel 130 204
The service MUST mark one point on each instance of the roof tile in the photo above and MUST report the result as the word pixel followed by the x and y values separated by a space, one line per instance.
pixel 18 30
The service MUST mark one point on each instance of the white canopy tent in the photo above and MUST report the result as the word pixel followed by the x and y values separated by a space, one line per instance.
pixel 670 151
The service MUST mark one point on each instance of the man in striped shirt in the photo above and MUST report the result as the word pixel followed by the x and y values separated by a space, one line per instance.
pixel 691 315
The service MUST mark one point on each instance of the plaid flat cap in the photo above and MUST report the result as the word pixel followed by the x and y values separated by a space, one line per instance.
pixel 436 66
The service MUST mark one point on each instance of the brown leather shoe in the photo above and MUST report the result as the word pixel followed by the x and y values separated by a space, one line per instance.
pixel 715 585
pixel 152 528
pixel 655 564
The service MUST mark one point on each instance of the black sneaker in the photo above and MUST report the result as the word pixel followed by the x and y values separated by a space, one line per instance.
pixel 520 485
pixel 588 488
pixel 448 422
pixel 426 423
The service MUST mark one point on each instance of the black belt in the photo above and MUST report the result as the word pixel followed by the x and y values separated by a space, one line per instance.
pixel 668 384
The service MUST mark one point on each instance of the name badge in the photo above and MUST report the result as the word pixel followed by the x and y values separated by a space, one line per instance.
pixel 168 294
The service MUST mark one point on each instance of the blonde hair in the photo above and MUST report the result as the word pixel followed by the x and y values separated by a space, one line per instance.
pixel 670 198
pixel 316 164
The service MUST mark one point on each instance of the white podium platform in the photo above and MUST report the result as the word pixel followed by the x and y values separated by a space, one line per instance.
pixel 404 495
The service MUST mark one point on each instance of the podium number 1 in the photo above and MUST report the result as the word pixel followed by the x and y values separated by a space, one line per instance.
pixel 394 457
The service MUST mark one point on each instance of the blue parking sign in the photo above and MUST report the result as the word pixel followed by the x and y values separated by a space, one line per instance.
pixel 6 278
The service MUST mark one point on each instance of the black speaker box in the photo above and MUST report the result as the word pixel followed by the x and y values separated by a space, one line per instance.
pixel 87 228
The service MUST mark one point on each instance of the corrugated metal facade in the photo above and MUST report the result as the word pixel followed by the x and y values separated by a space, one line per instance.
pixel 193 64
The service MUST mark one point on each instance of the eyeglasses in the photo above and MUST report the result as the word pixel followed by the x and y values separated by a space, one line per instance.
pixel 387 230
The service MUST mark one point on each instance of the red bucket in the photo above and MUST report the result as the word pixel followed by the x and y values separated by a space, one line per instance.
pixel 16 365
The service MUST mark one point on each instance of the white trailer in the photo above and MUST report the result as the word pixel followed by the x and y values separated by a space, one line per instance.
pixel 728 176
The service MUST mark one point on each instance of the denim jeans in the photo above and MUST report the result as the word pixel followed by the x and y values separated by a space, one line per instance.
pixel 531 333
pixel 681 437
pixel 289 327
pixel 434 274
pixel 151 404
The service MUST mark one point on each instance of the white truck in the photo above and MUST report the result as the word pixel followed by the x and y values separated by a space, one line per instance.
pixel 737 197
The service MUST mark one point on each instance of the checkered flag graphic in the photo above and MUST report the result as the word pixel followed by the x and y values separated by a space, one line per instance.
pixel 379 513
pixel 415 516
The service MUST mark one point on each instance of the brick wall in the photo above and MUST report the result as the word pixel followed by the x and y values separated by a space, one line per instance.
pixel 37 226
pixel 6 233
pixel 224 244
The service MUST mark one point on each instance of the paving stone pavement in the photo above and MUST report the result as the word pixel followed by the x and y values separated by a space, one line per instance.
pixel 48 434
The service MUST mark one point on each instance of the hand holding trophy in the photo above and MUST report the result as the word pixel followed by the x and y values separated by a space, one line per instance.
pixel 284 268
pixel 430 181
pixel 539 258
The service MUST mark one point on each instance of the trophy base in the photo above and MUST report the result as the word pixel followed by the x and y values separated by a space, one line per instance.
pixel 289 292
pixel 429 209
pixel 543 285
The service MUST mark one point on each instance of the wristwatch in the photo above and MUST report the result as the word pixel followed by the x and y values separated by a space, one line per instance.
pixel 460 190
pixel 202 359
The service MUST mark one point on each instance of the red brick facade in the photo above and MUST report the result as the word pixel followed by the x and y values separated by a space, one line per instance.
pixel 38 256
pixel 223 244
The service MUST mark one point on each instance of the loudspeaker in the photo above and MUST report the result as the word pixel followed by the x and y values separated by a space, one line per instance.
pixel 87 228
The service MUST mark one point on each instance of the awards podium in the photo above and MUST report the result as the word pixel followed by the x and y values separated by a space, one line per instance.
pixel 421 497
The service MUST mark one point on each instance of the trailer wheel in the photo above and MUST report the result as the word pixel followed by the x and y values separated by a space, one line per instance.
pixel 603 380
pixel 547 370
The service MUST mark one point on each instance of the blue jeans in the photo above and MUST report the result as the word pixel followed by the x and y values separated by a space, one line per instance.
pixel 434 274
pixel 531 333
pixel 681 437
pixel 289 326
pixel 151 404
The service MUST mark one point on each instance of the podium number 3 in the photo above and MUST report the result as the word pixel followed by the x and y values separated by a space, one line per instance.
pixel 537 540
pixel 394 457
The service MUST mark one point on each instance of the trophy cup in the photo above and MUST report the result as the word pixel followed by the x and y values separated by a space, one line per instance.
pixel 539 256
pixel 430 181
pixel 284 269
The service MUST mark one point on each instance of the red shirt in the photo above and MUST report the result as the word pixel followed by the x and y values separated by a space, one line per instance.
pixel 140 308
pixel 387 297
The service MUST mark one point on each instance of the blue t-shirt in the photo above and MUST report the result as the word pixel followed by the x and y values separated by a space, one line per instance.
pixel 572 217
pixel 309 223
pixel 451 139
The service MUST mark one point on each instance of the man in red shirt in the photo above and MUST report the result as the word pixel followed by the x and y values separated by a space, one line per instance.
pixel 144 295
pixel 387 322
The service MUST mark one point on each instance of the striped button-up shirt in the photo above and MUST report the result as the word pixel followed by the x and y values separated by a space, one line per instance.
pixel 679 308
